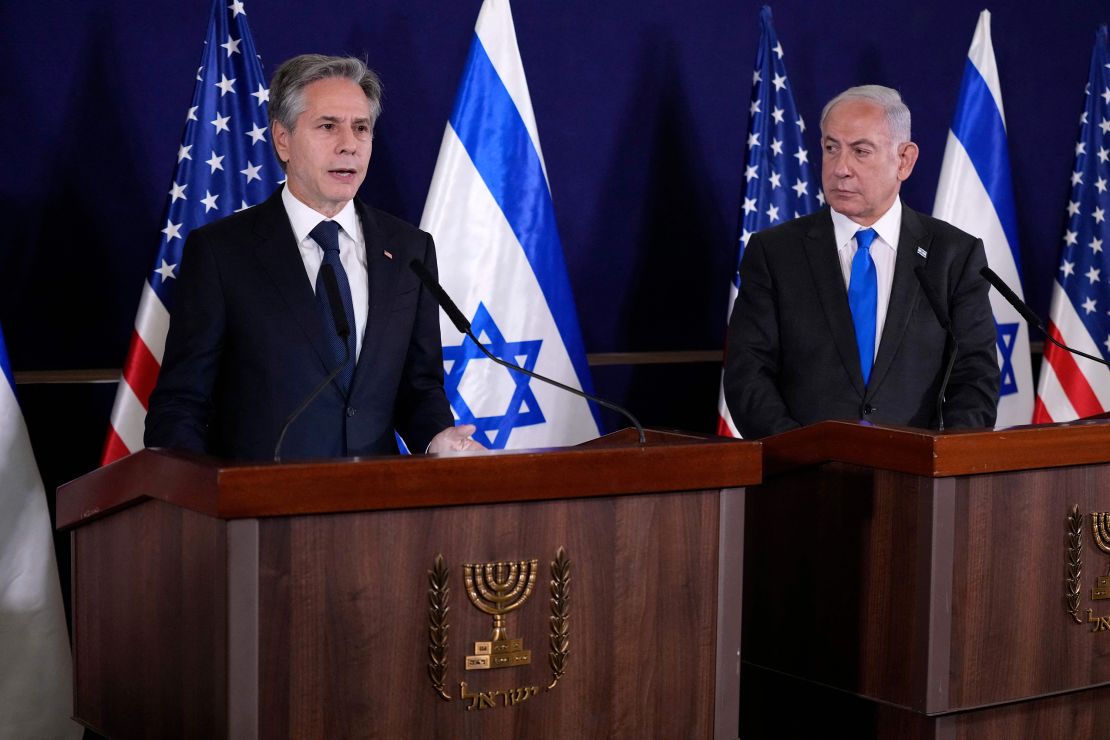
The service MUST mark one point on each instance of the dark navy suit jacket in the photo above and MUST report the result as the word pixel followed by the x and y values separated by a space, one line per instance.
pixel 792 358
pixel 247 344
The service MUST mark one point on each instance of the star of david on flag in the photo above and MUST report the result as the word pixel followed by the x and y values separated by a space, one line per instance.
pixel 489 209
pixel 1072 387
pixel 779 183
pixel 520 409
pixel 224 164
pixel 975 193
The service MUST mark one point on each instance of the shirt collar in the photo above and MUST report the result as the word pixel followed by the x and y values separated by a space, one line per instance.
pixel 888 227
pixel 304 219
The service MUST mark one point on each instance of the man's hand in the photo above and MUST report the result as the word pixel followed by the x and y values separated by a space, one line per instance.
pixel 454 439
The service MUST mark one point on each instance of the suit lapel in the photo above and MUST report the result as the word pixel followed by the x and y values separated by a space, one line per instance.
pixel 824 268
pixel 903 292
pixel 278 253
pixel 381 277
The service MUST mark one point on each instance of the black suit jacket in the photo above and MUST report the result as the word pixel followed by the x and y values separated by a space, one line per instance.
pixel 792 357
pixel 246 345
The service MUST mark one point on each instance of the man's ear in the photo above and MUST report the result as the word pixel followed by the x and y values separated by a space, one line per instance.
pixel 280 136
pixel 907 158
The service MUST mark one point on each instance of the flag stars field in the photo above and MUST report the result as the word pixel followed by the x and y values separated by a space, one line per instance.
pixel 228 58
pixel 768 168
pixel 226 86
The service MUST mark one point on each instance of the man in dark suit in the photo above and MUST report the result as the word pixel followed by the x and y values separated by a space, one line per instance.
pixel 832 323
pixel 252 333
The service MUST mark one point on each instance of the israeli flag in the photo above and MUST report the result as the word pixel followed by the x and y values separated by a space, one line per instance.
pixel 36 681
pixel 489 209
pixel 975 193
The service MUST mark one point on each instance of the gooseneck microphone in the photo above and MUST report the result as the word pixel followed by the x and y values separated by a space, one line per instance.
pixel 1027 313
pixel 461 323
pixel 343 330
pixel 946 324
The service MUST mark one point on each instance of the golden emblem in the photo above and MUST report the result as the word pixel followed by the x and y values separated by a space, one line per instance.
pixel 497 589
pixel 1100 530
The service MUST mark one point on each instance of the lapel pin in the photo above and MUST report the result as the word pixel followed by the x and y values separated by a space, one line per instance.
pixel 922 252
pixel 387 253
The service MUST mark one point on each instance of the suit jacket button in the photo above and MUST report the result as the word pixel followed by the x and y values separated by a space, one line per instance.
pixel 351 411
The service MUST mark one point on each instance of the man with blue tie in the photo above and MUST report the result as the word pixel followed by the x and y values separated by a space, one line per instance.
pixel 253 333
pixel 831 321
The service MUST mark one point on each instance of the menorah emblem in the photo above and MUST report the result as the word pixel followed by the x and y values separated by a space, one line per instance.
pixel 1100 529
pixel 497 589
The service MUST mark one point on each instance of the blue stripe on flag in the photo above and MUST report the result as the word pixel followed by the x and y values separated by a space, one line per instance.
pixel 979 127
pixel 5 363
pixel 493 133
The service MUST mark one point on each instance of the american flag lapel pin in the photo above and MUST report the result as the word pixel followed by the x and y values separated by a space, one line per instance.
pixel 921 251
pixel 387 253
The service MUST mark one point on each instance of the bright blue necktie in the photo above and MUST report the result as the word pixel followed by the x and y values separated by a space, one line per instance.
pixel 326 235
pixel 863 298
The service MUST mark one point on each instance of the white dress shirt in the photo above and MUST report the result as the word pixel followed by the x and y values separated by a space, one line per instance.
pixel 352 252
pixel 883 252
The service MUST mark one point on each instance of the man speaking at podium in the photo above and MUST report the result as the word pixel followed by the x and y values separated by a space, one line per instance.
pixel 831 321
pixel 253 332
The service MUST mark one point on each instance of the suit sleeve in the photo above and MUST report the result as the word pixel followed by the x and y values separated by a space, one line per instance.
pixel 422 410
pixel 753 354
pixel 181 404
pixel 971 399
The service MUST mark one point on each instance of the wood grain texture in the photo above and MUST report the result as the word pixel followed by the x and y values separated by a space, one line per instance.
pixel 341 613
pixel 350 594
pixel 935 455
pixel 149 631
pixel 606 467
pixel 893 581
pixel 769 710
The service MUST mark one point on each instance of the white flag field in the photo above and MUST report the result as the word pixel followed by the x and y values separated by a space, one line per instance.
pixel 490 211
pixel 975 193
pixel 36 670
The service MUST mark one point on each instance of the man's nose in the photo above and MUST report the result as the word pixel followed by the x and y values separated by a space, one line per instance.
pixel 347 141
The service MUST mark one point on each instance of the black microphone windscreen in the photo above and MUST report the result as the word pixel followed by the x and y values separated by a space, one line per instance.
pixel 1019 305
pixel 441 296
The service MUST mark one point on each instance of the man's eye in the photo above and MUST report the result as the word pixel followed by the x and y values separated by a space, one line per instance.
pixel 327 126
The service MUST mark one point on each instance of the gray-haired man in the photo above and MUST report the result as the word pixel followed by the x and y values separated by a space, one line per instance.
pixel 831 321
pixel 251 336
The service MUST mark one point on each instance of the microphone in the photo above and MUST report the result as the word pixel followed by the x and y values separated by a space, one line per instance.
pixel 343 330
pixel 461 323
pixel 1027 313
pixel 946 323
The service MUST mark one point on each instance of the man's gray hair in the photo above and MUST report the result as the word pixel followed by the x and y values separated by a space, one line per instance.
pixel 887 98
pixel 292 77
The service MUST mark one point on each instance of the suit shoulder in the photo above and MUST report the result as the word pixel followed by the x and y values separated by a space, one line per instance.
pixel 793 231
pixel 390 225
pixel 944 231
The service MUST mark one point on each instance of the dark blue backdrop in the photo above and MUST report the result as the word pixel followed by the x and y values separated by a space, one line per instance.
pixel 642 111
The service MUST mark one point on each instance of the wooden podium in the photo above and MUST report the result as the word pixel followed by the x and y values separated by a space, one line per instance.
pixel 308 600
pixel 907 584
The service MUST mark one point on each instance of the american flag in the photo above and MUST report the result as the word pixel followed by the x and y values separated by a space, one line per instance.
pixel 224 164
pixel 1072 387
pixel 779 183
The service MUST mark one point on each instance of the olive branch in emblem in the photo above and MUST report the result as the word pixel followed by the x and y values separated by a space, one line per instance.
pixel 1075 562
pixel 438 595
pixel 560 615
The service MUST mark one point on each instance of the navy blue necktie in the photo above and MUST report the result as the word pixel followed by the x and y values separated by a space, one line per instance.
pixel 326 235
pixel 863 298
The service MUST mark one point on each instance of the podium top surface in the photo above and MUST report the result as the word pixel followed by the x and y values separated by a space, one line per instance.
pixel 611 465
pixel 940 454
